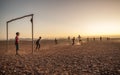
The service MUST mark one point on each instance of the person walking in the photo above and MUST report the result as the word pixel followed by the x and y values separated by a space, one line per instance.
pixel 38 43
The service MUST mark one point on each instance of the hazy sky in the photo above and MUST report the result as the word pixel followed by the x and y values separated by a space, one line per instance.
pixel 61 18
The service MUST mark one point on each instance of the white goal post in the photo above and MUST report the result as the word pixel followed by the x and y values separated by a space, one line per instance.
pixel 17 19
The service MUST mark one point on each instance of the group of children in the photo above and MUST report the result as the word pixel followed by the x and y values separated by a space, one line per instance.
pixel 38 42
pixel 56 42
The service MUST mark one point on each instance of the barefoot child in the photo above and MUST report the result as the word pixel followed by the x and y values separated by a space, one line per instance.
pixel 17 42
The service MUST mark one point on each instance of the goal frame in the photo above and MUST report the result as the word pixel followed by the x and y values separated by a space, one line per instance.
pixel 30 15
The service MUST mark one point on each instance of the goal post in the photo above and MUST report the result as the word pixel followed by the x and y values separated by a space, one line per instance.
pixel 18 19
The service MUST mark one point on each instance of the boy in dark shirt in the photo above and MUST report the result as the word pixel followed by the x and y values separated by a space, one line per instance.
pixel 38 43
pixel 73 41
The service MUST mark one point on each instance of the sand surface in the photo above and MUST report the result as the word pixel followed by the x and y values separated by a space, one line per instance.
pixel 89 58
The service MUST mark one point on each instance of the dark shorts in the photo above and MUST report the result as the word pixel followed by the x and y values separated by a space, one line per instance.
pixel 37 46
pixel 17 46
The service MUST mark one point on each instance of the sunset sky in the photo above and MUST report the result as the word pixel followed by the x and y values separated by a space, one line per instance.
pixel 61 18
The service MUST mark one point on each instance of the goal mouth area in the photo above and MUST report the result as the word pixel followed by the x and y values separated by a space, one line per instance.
pixel 30 15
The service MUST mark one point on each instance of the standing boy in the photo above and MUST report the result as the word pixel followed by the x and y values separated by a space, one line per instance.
pixel 17 42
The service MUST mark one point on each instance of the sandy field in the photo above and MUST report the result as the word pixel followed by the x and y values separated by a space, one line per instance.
pixel 88 58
